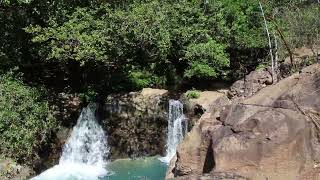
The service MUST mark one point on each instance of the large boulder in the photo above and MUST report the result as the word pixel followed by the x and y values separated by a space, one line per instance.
pixel 272 135
pixel 205 101
pixel 136 122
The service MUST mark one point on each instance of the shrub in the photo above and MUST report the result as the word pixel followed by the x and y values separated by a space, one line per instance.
pixel 302 26
pixel 261 66
pixel 88 95
pixel 25 121
pixel 206 60
pixel 193 94
pixel 141 79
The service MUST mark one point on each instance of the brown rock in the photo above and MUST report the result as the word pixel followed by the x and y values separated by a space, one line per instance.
pixel 136 122
pixel 271 135
pixel 194 152
pixel 251 84
pixel 213 176
pixel 206 99
pixel 9 170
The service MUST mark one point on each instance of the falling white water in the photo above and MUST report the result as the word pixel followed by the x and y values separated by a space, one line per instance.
pixel 87 143
pixel 84 154
pixel 177 128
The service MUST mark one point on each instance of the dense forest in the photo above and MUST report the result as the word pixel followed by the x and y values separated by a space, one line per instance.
pixel 92 48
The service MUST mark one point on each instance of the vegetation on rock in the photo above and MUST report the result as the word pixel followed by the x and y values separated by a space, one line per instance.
pixel 193 94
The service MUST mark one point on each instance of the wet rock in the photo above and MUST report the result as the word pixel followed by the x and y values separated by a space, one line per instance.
pixel 66 109
pixel 192 155
pixel 136 122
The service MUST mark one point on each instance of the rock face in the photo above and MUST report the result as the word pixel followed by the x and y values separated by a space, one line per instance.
pixel 206 100
pixel 9 170
pixel 136 123
pixel 193 151
pixel 274 134
pixel 66 109
pixel 251 84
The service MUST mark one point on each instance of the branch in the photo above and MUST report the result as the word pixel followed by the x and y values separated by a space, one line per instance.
pixel 272 20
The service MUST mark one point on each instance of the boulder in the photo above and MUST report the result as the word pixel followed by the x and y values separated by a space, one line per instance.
pixel 206 100
pixel 273 134
pixel 192 153
pixel 136 122
pixel 251 84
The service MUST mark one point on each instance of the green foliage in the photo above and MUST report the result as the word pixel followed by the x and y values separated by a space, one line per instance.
pixel 148 43
pixel 302 25
pixel 157 37
pixel 206 60
pixel 193 94
pixel 25 121
pixel 140 79
pixel 88 96
pixel 8 2
pixel 261 66
pixel 242 22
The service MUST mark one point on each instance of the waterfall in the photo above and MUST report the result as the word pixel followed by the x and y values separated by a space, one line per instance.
pixel 177 128
pixel 84 154
pixel 87 143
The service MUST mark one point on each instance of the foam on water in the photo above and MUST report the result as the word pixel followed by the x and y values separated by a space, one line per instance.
pixel 73 171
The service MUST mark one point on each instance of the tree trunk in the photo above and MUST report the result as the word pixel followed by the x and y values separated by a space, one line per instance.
pixel 270 45
pixel 276 57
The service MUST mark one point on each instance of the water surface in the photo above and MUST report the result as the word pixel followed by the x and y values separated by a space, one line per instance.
pixel 138 169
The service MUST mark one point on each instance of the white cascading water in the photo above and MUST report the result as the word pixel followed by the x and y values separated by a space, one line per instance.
pixel 84 154
pixel 177 128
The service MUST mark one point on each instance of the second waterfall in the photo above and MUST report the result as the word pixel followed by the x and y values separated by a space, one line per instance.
pixel 177 128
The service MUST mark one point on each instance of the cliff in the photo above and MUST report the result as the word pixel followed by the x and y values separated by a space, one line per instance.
pixel 136 122
pixel 273 134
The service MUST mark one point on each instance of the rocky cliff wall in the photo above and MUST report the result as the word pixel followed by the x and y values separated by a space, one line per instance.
pixel 273 134
pixel 136 122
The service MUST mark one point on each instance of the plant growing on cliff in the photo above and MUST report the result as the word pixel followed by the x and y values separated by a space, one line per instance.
pixel 25 121
pixel 193 94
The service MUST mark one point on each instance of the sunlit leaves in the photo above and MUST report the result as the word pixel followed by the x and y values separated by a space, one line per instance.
pixel 206 60
pixel 155 35
pixel 25 121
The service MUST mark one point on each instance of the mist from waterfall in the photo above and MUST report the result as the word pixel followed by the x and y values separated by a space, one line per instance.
pixel 84 155
pixel 177 128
